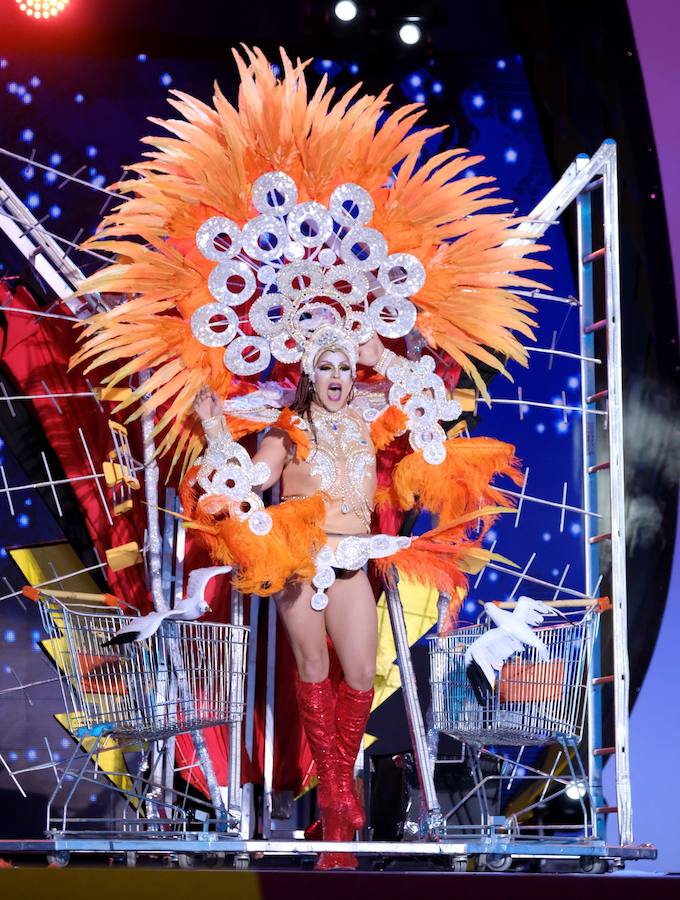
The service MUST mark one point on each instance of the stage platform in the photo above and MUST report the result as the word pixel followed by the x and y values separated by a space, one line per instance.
pixel 34 879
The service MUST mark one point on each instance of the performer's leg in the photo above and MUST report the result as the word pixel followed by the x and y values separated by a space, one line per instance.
pixel 306 630
pixel 352 623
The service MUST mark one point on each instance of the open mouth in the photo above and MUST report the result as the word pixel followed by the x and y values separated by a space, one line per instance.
pixel 334 391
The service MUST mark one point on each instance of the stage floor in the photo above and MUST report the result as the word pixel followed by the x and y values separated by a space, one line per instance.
pixel 32 878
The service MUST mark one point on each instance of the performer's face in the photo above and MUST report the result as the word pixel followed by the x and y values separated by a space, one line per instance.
pixel 332 379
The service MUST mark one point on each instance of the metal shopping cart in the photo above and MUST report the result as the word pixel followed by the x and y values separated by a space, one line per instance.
pixel 533 702
pixel 130 700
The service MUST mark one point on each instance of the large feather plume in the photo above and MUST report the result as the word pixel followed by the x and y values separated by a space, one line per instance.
pixel 206 166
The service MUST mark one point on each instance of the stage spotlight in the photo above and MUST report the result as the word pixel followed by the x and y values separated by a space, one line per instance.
pixel 346 10
pixel 576 790
pixel 410 33
pixel 42 9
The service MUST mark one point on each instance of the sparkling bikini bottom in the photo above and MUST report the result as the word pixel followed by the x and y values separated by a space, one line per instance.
pixel 351 554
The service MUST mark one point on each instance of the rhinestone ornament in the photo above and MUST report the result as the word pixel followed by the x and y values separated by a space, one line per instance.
pixel 347 275
pixel 274 193
pixel 324 578
pixel 210 231
pixel 410 277
pixel 238 364
pixel 318 220
pixel 267 314
pixel 327 257
pixel 368 239
pixel 218 333
pixel 319 601
pixel 300 279
pixel 260 523
pixel 402 316
pixel 281 349
pixel 219 280
pixel 265 238
pixel 350 198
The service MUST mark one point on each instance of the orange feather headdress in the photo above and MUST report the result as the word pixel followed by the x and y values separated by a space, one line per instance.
pixel 207 166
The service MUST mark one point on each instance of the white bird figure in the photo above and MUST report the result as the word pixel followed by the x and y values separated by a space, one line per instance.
pixel 198 580
pixel 192 607
pixel 513 633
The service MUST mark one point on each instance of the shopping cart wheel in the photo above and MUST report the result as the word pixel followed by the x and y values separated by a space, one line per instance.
pixel 185 860
pixel 458 863
pixel 593 865
pixel 241 860
pixel 496 862
pixel 60 858
pixel 130 859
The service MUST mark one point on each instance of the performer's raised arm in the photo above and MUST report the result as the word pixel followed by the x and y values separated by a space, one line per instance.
pixel 275 451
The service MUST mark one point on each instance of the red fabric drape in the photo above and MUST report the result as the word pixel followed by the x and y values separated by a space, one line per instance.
pixel 37 350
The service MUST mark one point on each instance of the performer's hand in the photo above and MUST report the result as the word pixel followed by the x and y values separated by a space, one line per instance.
pixel 371 351
pixel 207 404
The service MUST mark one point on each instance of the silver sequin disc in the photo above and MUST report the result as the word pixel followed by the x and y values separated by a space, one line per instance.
pixel 391 316
pixel 257 355
pixel 214 325
pixel 232 282
pixel 213 229
pixel 319 602
pixel 402 274
pixel 265 238
pixel 274 193
pixel 364 248
pixel 351 205
pixel 310 224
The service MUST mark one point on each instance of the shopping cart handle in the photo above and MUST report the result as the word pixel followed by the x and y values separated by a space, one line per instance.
pixel 34 593
pixel 603 603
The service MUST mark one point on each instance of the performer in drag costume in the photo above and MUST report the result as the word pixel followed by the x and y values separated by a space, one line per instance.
pixel 300 292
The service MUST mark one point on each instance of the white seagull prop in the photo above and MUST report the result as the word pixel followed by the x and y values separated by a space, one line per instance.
pixel 513 633
pixel 192 607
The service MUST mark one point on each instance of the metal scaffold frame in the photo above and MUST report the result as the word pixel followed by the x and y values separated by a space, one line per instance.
pixel 235 816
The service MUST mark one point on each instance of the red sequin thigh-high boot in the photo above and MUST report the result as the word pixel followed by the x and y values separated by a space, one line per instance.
pixel 352 709
pixel 317 710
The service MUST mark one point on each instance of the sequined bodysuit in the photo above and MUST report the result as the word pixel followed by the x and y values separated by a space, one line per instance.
pixel 341 463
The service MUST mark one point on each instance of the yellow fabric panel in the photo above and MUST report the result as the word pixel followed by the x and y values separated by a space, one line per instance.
pixel 34 563
pixel 110 761
pixel 467 397
pixel 150 883
pixel 123 556
pixel 420 614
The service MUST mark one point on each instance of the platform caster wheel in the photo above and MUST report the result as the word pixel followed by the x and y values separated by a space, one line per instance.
pixel 214 859
pixel 130 859
pixel 456 864
pixel 593 865
pixel 241 860
pixel 496 862
pixel 185 860
pixel 60 858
